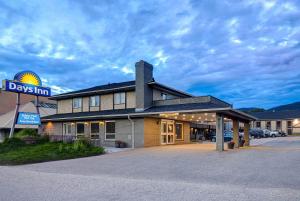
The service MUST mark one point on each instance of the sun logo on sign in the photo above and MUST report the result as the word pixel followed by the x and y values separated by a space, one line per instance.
pixel 28 77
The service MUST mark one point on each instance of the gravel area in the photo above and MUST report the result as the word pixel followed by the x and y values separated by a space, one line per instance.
pixel 267 171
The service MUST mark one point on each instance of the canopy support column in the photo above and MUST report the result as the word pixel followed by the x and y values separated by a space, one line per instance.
pixel 246 133
pixel 219 132
pixel 235 125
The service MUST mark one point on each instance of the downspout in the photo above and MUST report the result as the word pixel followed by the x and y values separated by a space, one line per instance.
pixel 132 131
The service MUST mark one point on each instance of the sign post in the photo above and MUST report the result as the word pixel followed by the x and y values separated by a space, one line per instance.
pixel 12 130
pixel 26 82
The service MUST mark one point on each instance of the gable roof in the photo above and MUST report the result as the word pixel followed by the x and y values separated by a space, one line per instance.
pixel 277 115
pixel 115 87
pixel 129 85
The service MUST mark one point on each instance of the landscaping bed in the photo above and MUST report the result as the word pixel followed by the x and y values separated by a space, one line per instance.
pixel 16 151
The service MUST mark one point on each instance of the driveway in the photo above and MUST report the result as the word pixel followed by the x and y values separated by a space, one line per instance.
pixel 267 171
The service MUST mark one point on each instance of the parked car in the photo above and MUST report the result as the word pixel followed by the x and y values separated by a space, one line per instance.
pixel 283 134
pixel 275 133
pixel 228 135
pixel 256 133
pixel 267 133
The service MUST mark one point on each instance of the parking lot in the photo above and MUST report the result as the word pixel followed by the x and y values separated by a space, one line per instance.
pixel 269 170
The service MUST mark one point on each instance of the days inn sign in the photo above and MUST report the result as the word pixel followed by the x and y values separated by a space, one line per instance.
pixel 26 82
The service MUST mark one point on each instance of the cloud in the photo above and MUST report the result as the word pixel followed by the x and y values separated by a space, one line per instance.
pixel 246 52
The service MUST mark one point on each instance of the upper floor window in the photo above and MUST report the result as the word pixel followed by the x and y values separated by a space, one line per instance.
pixel 94 101
pixel 77 102
pixel 119 98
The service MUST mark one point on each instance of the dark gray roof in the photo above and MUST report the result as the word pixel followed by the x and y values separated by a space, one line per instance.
pixel 123 112
pixel 116 87
pixel 277 115
pixel 129 85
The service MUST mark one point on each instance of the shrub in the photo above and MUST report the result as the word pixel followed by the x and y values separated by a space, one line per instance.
pixel 43 139
pixel 11 144
pixel 81 144
pixel 26 132
pixel 13 141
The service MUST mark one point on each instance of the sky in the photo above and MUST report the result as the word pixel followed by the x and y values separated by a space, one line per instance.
pixel 244 52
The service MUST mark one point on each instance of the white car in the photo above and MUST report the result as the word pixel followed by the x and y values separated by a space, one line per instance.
pixel 267 133
pixel 275 134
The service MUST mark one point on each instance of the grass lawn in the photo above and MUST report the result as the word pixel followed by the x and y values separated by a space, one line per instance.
pixel 19 153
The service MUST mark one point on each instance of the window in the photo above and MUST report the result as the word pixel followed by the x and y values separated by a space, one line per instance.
pixel 77 103
pixel 95 130
pixel 80 129
pixel 67 129
pixel 278 125
pixel 119 98
pixel 110 130
pixel 268 125
pixel 94 101
pixel 258 124
pixel 164 96
pixel 179 131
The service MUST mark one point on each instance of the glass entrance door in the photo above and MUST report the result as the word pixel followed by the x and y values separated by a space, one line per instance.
pixel 167 132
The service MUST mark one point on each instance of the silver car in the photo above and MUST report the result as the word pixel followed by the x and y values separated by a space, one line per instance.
pixel 275 134
pixel 267 133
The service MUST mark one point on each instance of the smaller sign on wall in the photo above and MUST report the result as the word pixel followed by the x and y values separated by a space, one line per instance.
pixel 28 118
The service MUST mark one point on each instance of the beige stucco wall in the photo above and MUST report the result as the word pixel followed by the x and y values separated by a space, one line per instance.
pixel 52 128
pixel 92 109
pixel 130 98
pixel 119 106
pixel 107 102
pixel 157 95
pixel 273 125
pixel 64 106
pixel 263 124
pixel 77 110
pixel 284 126
pixel 85 104
pixel 296 130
